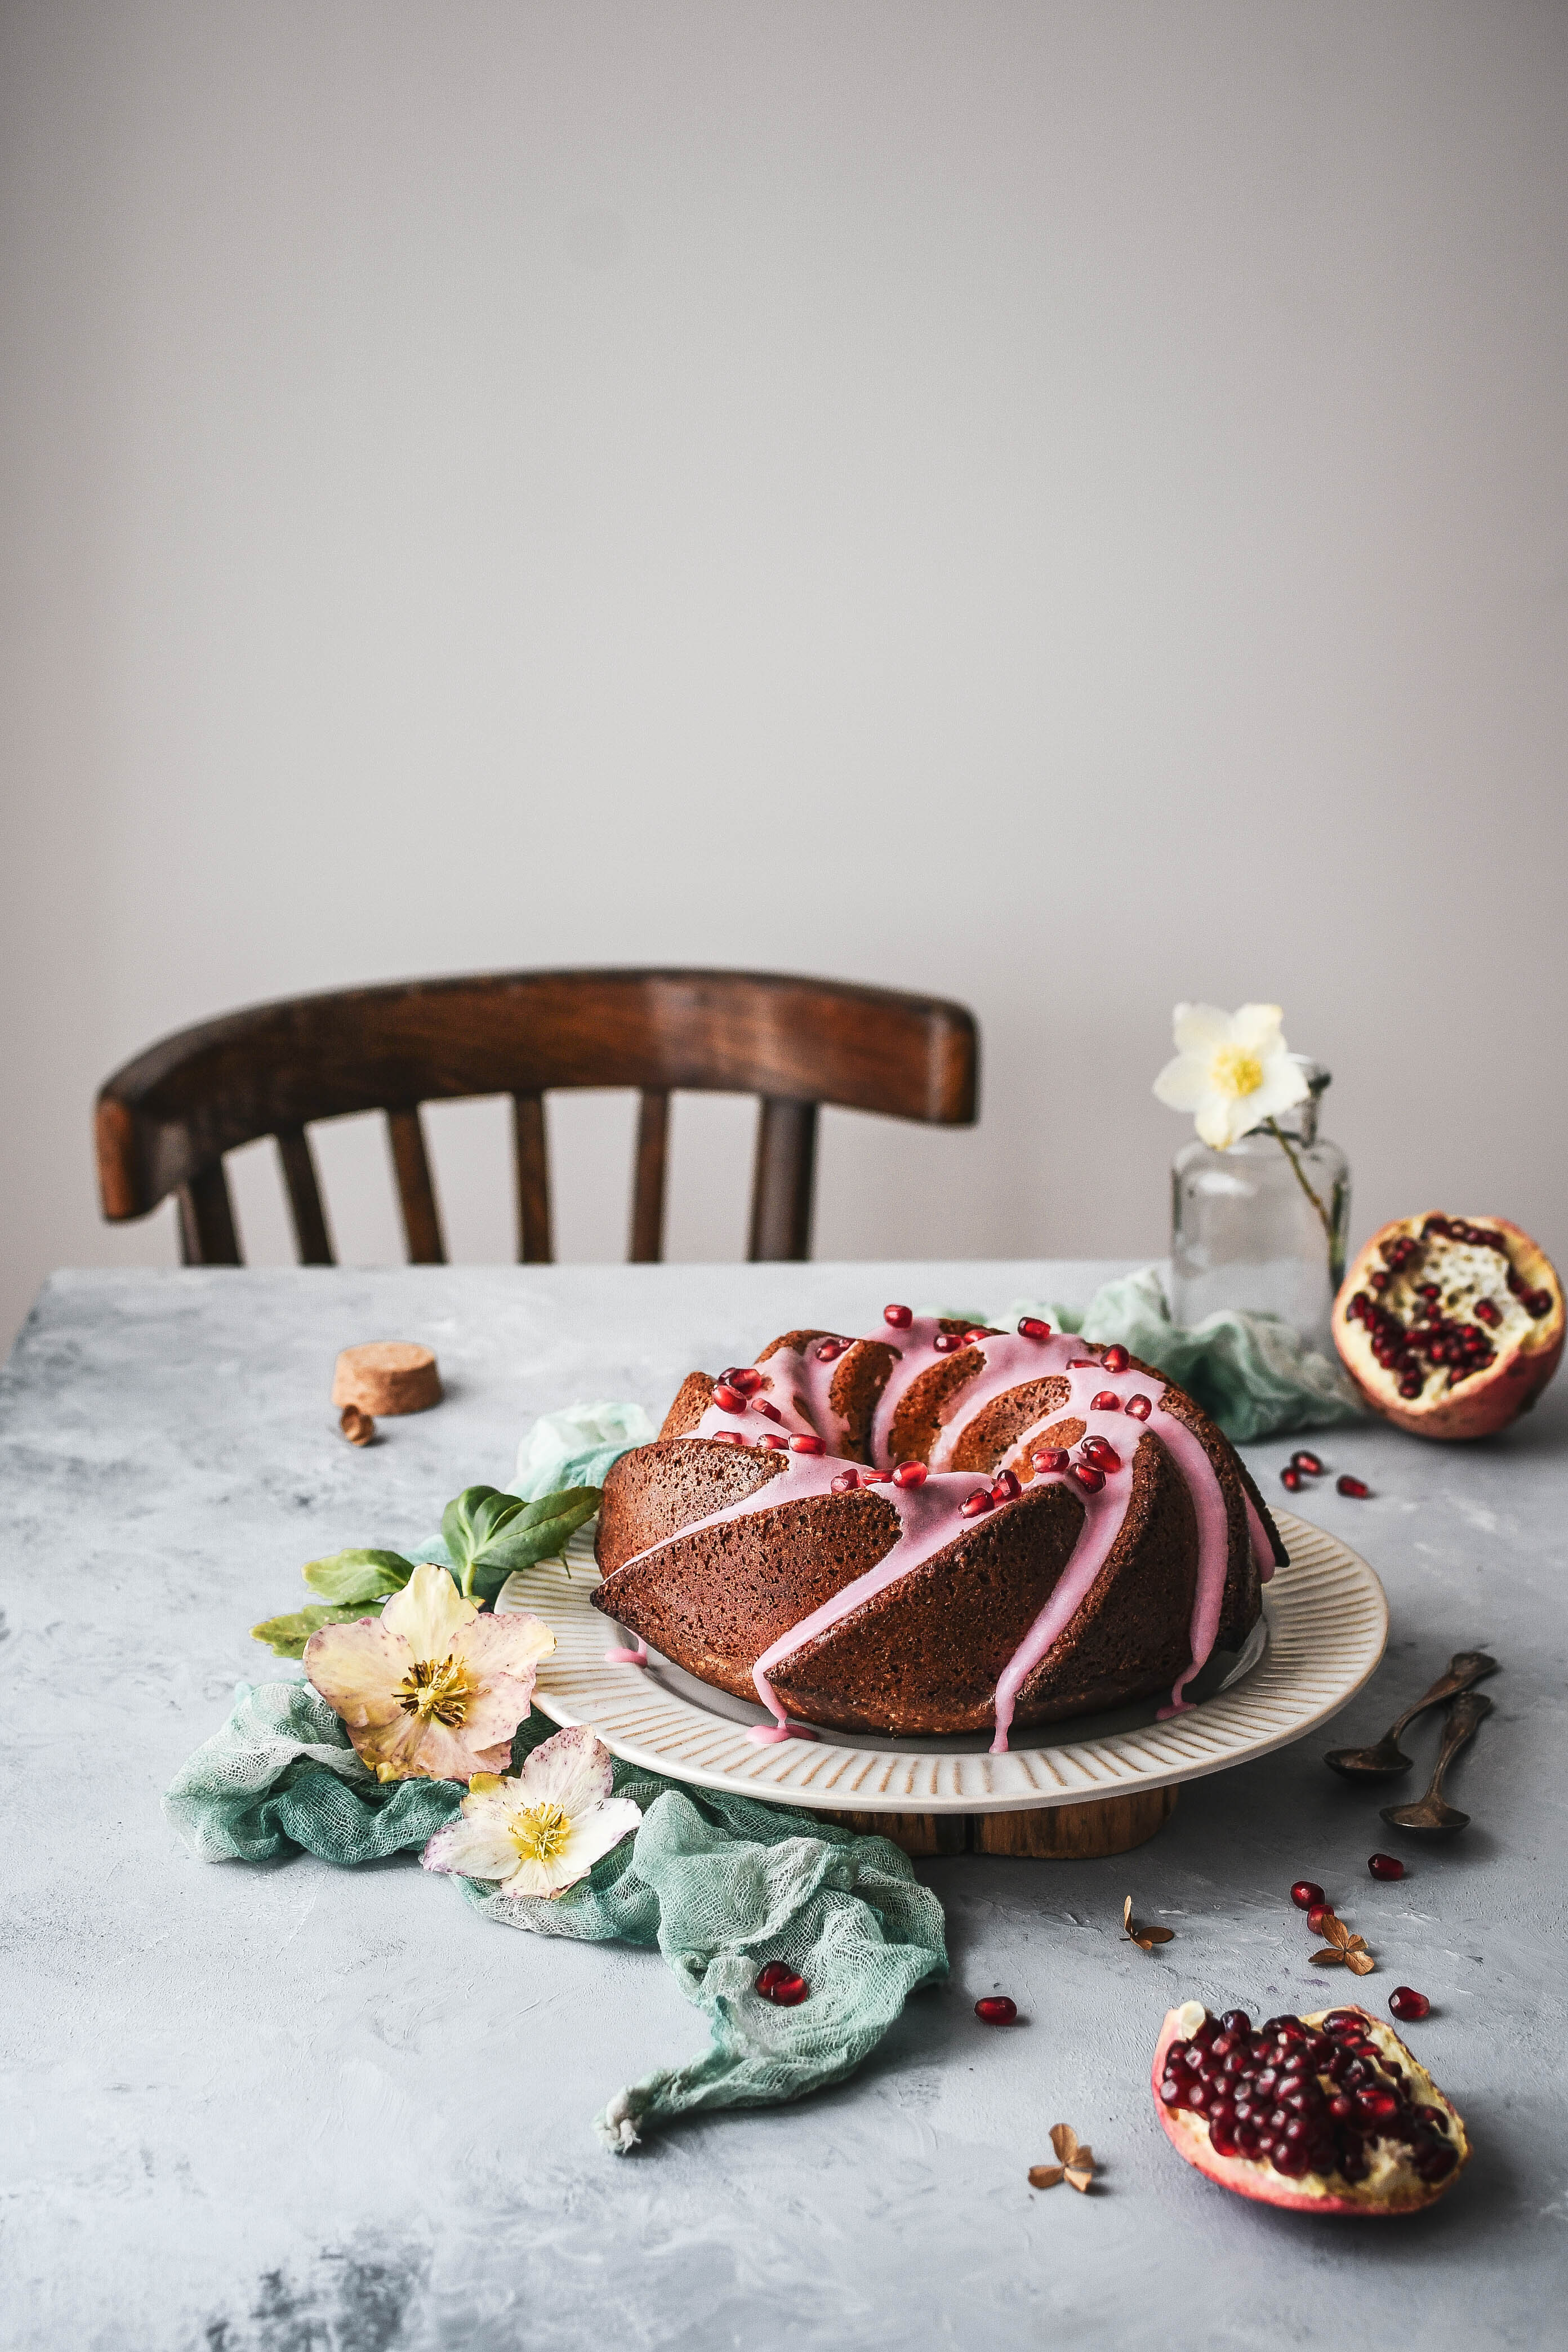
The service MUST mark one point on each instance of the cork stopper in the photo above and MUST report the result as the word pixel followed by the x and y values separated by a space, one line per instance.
pixel 387 1376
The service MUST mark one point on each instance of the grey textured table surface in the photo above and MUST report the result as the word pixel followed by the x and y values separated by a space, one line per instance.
pixel 288 2109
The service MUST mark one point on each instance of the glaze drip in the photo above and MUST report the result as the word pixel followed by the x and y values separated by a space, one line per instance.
pixel 797 1404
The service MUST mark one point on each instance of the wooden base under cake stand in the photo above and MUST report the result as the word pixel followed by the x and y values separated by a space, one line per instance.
pixel 1104 1825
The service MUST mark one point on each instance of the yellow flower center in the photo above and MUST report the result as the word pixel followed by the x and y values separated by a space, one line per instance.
pixel 541 1833
pixel 436 1687
pixel 1234 1071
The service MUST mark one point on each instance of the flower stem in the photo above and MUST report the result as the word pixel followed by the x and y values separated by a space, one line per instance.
pixel 1283 1140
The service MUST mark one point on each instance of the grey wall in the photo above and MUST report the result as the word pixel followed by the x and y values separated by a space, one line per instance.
pixel 1059 505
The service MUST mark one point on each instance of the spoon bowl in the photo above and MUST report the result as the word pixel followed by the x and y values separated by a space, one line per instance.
pixel 1428 1817
pixel 1381 1762
pixel 1385 1760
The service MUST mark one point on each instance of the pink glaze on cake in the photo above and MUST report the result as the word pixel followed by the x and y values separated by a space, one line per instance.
pixel 930 1512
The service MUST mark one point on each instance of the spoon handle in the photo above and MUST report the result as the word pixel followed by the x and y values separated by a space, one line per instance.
pixel 1466 1667
pixel 1465 1718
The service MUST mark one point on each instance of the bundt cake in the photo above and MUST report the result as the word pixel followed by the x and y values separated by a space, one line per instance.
pixel 936 1528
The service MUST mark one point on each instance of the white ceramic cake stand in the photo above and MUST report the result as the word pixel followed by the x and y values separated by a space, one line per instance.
pixel 1100 1791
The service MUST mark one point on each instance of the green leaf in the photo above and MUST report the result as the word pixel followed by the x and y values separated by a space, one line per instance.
pixel 468 1523
pixel 536 1532
pixel 286 1636
pixel 489 1534
pixel 358 1575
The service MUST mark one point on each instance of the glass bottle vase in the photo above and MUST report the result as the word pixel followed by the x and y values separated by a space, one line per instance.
pixel 1245 1232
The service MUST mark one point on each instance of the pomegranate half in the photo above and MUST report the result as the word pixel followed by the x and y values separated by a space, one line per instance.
pixel 1325 2113
pixel 1451 1326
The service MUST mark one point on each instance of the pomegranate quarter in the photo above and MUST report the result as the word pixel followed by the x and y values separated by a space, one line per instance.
pixel 1451 1326
pixel 1324 2114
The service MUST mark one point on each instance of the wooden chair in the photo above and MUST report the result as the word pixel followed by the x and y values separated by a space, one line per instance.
pixel 165 1121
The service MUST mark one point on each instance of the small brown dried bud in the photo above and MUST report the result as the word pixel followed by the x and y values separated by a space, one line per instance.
pixel 357 1426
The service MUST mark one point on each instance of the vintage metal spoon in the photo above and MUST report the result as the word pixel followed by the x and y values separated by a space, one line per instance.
pixel 1384 1760
pixel 1429 1815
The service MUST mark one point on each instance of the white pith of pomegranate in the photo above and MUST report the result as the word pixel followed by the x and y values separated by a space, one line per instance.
pixel 1328 2113
pixel 1451 1326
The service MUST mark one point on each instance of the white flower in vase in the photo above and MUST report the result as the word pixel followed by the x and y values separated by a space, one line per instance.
pixel 1232 1070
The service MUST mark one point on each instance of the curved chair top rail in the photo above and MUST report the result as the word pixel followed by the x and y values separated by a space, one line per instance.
pixel 170 1114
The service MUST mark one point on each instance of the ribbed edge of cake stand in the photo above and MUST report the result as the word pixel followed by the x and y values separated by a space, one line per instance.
pixel 1328 1623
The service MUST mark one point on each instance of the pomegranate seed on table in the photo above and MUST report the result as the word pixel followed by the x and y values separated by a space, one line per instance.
pixel 1386 1865
pixel 900 1318
pixel 1305 1893
pixel 1310 1463
pixel 1356 1488
pixel 909 1473
pixel 996 2010
pixel 1317 1914
pixel 1139 1406
pixel 1291 1476
pixel 1407 2004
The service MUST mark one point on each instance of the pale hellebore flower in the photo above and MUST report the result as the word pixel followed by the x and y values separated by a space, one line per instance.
pixel 430 1689
pixel 542 1829
pixel 1232 1070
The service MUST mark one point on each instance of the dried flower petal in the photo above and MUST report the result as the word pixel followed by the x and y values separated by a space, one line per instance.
pixel 1133 1931
pixel 1342 1949
pixel 1075 2166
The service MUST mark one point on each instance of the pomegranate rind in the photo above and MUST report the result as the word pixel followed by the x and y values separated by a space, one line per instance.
pixel 1485 1401
pixel 1389 2189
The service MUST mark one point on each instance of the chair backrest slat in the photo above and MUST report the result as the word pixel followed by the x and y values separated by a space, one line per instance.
pixel 647 1190
pixel 167 1119
pixel 415 1190
pixel 208 1233
pixel 535 1241
pixel 782 1179
pixel 311 1235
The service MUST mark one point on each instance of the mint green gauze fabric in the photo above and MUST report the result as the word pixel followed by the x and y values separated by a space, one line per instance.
pixel 1250 1372
pixel 719 1885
